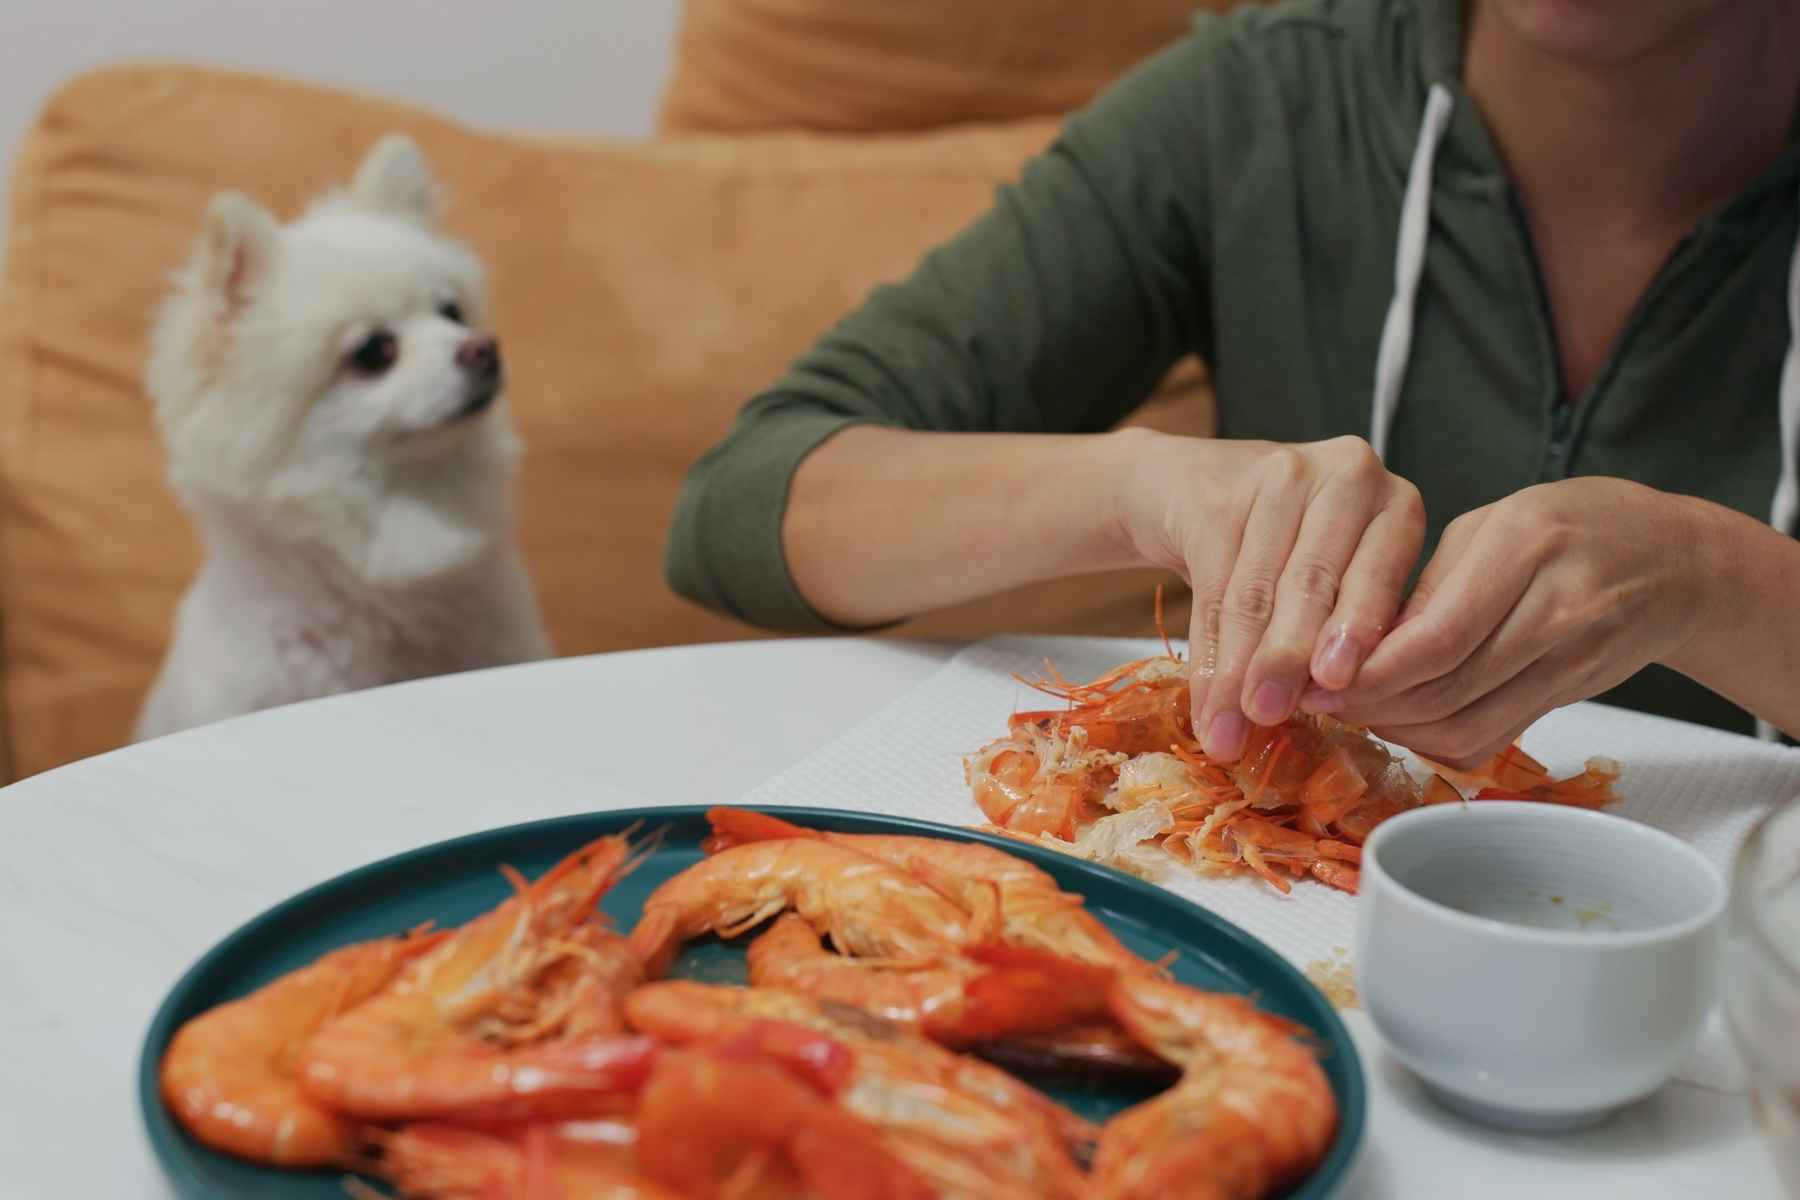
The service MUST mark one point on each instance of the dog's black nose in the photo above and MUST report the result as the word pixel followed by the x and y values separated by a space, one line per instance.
pixel 479 355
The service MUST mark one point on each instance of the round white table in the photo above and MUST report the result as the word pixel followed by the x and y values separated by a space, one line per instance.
pixel 119 871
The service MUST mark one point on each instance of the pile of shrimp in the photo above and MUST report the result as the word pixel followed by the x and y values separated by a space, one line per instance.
pixel 1117 776
pixel 536 1053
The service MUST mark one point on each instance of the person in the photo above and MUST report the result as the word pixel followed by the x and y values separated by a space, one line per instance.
pixel 1505 294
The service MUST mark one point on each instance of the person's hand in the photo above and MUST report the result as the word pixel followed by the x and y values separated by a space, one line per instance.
pixel 1547 597
pixel 1297 555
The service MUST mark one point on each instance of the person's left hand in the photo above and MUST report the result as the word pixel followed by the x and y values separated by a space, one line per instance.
pixel 1549 596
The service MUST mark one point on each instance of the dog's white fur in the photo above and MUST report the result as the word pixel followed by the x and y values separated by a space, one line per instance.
pixel 357 525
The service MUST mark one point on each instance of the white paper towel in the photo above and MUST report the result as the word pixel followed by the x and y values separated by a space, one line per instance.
pixel 1703 785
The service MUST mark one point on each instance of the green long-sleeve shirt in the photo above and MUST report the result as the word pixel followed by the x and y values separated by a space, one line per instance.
pixel 1238 196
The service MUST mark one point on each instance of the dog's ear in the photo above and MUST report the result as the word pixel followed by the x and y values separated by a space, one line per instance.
pixel 395 181
pixel 237 246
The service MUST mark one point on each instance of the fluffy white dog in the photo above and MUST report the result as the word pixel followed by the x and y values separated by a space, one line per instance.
pixel 331 412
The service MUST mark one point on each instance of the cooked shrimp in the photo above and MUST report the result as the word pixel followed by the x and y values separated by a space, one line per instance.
pixel 1513 774
pixel 1137 708
pixel 946 1000
pixel 513 1016
pixel 719 1120
pixel 791 955
pixel 869 908
pixel 1264 845
pixel 228 1075
pixel 1086 1049
pixel 1251 1114
pixel 1317 761
pixel 591 1160
pixel 933 997
pixel 749 1118
pixel 1038 783
pixel 1131 729
pixel 1142 708
pixel 1311 774
pixel 967 1128
pixel 1512 769
pixel 1033 910
pixel 1593 788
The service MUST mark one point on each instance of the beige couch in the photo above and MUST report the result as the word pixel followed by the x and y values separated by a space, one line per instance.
pixel 811 148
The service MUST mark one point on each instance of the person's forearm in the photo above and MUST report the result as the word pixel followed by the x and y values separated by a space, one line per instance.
pixel 885 523
pixel 1746 645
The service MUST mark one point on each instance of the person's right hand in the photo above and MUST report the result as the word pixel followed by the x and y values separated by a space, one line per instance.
pixel 1298 557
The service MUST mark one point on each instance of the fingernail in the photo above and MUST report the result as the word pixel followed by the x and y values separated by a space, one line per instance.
pixel 1321 700
pixel 1337 665
pixel 1225 737
pixel 1269 703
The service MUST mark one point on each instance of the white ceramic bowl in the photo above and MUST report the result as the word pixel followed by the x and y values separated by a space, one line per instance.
pixel 1536 966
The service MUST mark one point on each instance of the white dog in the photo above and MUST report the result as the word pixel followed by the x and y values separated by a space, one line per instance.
pixel 332 419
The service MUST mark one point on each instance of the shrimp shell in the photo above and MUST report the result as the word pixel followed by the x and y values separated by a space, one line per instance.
pixel 228 1075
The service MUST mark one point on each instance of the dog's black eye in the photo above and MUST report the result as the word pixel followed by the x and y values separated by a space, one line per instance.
pixel 375 353
pixel 450 310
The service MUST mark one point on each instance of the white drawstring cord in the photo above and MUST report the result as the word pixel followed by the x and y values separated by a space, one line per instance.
pixel 1409 259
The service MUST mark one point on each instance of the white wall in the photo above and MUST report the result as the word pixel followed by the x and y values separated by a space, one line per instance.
pixel 564 66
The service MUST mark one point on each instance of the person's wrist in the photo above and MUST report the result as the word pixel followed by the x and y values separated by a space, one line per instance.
pixel 1706 542
pixel 1136 492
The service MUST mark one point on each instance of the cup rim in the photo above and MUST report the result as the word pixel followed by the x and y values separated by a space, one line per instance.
pixel 1549 814
pixel 1746 918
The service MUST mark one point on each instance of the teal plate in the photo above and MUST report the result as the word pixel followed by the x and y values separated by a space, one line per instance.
pixel 453 881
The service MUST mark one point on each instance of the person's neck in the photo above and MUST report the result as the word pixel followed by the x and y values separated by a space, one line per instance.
pixel 1647 146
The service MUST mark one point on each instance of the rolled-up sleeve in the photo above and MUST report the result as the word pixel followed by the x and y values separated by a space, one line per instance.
pixel 1057 311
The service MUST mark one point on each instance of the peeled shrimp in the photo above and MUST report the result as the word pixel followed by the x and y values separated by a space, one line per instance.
pixel 1036 783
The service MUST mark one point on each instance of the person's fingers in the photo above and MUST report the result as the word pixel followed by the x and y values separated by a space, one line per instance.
pixel 1333 526
pixel 1482 729
pixel 1475 759
pixel 1458 539
pixel 1333 697
pixel 1524 636
pixel 1470 586
pixel 1249 603
pixel 1208 566
pixel 1374 584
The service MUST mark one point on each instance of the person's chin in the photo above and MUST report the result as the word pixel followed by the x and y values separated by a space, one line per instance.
pixel 1599 32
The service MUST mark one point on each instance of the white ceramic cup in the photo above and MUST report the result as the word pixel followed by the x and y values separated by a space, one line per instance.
pixel 1536 966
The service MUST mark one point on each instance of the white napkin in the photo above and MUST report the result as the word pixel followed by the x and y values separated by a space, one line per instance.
pixel 1703 785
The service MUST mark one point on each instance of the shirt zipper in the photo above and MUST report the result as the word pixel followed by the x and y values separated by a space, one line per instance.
pixel 1562 418
pixel 1569 415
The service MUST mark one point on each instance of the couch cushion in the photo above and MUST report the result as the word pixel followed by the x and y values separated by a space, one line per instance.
pixel 861 66
pixel 642 292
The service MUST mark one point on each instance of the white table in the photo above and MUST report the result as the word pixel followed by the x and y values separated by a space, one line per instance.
pixel 118 872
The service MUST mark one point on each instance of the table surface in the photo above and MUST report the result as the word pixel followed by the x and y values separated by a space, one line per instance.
pixel 121 870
